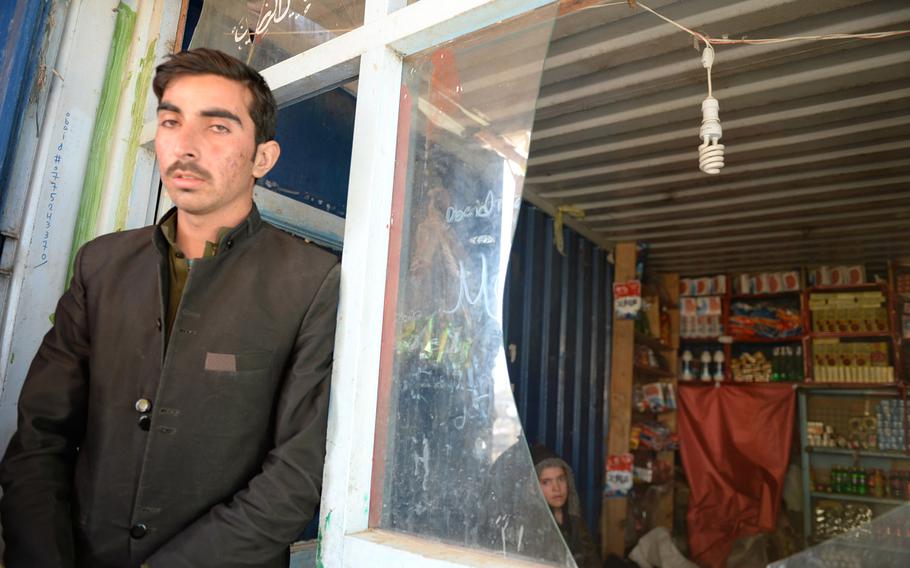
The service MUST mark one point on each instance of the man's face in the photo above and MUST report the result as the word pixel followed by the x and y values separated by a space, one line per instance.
pixel 554 485
pixel 206 146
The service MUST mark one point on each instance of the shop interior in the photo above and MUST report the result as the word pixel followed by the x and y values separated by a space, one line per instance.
pixel 758 340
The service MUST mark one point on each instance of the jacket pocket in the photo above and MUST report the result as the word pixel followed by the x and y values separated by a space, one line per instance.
pixel 241 364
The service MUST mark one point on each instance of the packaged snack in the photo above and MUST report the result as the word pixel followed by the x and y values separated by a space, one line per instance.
pixel 881 320
pixel 790 281
pixel 619 475
pixel 653 394
pixel 627 299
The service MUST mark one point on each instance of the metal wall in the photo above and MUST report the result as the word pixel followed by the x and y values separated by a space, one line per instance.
pixel 557 335
pixel 24 23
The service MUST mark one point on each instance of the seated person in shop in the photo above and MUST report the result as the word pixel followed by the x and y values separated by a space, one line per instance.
pixel 558 486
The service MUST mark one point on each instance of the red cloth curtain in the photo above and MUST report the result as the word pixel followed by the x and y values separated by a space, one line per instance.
pixel 735 448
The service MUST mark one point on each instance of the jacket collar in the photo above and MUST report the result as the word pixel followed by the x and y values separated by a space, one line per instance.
pixel 246 229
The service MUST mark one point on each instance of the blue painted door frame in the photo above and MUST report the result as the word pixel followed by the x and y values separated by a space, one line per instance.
pixel 23 22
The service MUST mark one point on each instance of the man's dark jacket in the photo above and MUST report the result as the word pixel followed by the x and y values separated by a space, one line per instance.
pixel 229 469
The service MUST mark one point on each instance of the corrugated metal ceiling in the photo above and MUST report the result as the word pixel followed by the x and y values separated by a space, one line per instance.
pixel 816 132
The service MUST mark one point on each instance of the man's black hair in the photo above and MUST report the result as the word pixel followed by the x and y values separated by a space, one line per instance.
pixel 204 61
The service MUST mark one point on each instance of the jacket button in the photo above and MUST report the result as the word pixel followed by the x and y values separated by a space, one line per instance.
pixel 143 405
pixel 145 422
pixel 229 243
pixel 139 530
pixel 158 324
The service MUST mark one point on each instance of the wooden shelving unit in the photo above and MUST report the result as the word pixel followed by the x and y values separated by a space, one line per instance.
pixel 727 342
pixel 663 296
pixel 834 407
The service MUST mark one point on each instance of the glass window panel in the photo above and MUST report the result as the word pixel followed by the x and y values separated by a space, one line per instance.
pixel 855 538
pixel 456 464
pixel 265 32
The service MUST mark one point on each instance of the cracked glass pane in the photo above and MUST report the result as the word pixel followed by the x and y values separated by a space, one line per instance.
pixel 456 463
pixel 265 32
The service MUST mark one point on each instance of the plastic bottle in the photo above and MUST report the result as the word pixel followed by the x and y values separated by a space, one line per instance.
pixel 799 364
pixel 875 483
pixel 775 364
pixel 897 489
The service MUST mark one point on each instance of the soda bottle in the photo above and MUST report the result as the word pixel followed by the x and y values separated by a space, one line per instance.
pixel 775 364
pixel 897 489
pixel 863 480
pixel 875 483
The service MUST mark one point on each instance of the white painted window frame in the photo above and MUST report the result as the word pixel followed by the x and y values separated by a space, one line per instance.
pixel 390 33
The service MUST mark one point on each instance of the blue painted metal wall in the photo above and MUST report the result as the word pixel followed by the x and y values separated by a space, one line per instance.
pixel 22 23
pixel 316 137
pixel 558 317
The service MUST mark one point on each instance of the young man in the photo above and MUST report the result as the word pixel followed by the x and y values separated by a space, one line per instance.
pixel 175 414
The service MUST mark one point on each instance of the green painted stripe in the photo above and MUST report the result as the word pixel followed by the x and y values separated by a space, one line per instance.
pixel 114 81
pixel 143 82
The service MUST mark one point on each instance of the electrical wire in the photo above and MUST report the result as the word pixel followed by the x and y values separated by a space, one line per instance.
pixel 768 41
pixel 711 151
pixel 765 41
pixel 678 25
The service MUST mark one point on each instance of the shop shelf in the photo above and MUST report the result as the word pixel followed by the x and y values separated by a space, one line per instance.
pixel 770 296
pixel 864 453
pixel 650 371
pixel 810 384
pixel 702 340
pixel 854 287
pixel 858 498
pixel 796 339
pixel 698 383
pixel 863 335
pixel 653 342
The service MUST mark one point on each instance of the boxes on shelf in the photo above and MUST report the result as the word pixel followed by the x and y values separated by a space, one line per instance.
pixel 891 418
pixel 902 284
pixel 849 312
pixel 701 317
pixel 859 428
pixel 768 282
pixel 835 361
pixel 751 367
pixel 704 286
pixel 819 434
pixel 851 275
pixel 785 364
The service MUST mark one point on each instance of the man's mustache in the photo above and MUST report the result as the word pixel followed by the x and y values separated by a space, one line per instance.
pixel 187 167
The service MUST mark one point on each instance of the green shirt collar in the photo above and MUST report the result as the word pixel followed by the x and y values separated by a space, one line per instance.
pixel 169 230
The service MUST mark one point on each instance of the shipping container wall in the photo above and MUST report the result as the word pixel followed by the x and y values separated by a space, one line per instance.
pixel 557 312
pixel 24 23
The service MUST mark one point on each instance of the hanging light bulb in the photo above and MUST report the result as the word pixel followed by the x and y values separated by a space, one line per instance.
pixel 711 151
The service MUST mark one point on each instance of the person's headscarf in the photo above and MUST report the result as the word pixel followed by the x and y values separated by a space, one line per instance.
pixel 543 458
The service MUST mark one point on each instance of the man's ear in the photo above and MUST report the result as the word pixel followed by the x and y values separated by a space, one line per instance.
pixel 266 155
